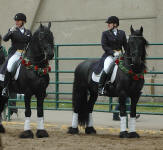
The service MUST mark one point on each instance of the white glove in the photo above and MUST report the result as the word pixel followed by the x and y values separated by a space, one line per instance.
pixel 13 29
pixel 116 54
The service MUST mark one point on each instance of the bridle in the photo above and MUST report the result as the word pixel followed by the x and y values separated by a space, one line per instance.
pixel 130 56
pixel 44 58
pixel 139 36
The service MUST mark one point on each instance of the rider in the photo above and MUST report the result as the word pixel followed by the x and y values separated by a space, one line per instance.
pixel 20 37
pixel 112 41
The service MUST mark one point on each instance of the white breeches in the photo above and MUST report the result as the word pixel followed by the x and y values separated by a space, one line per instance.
pixel 12 60
pixel 107 63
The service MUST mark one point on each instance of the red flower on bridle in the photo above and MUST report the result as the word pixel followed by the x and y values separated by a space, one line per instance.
pixel 135 77
pixel 117 61
pixel 45 70
pixel 130 71
pixel 36 68
pixel 49 69
pixel 23 62
pixel 141 77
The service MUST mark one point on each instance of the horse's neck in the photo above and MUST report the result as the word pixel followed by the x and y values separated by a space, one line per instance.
pixel 127 61
pixel 136 69
pixel 33 48
pixel 33 52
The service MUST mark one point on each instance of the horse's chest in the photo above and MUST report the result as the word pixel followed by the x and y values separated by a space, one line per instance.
pixel 136 86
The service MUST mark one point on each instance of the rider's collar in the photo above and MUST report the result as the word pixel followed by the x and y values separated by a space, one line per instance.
pixel 22 29
pixel 115 30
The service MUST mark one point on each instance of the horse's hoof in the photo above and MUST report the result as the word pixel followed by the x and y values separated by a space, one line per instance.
pixel 42 134
pixel 90 130
pixel 2 129
pixel 72 130
pixel 123 134
pixel 26 134
pixel 133 135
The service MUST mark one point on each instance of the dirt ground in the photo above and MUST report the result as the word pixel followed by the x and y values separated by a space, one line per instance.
pixel 60 140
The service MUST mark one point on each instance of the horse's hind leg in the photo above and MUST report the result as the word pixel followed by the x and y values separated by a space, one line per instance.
pixel 92 99
pixel 3 101
pixel 27 133
pixel 2 129
pixel 80 106
pixel 41 132
pixel 132 121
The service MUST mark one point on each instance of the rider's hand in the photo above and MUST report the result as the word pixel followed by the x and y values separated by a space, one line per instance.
pixel 12 29
pixel 116 54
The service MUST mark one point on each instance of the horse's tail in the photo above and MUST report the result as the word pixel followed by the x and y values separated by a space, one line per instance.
pixel 80 94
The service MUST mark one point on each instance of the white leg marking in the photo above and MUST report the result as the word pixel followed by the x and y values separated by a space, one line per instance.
pixel 40 123
pixel 27 124
pixel 123 124
pixel 90 121
pixel 132 124
pixel 75 120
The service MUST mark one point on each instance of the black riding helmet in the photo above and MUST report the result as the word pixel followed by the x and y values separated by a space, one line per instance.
pixel 20 16
pixel 113 19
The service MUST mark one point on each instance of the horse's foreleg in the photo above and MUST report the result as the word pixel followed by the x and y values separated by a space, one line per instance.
pixel 27 133
pixel 40 113
pixel 27 100
pixel 41 132
pixel 132 121
pixel 122 107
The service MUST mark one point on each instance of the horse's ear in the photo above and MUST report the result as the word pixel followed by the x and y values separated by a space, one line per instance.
pixel 141 30
pixel 131 30
pixel 49 24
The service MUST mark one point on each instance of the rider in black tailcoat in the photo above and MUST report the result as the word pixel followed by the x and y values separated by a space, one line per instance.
pixel 112 42
pixel 20 37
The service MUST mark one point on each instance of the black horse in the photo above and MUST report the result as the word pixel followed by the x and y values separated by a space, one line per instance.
pixel 129 82
pixel 2 57
pixel 12 95
pixel 33 78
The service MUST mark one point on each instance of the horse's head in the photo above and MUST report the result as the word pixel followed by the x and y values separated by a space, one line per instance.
pixel 137 46
pixel 46 41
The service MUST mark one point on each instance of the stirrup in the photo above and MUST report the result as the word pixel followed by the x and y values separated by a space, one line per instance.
pixel 5 92
pixel 101 91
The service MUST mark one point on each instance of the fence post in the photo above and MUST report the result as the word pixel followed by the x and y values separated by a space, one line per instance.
pixel 57 75
pixel 9 111
pixel 110 104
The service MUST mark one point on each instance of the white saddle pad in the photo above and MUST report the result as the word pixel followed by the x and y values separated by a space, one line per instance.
pixel 96 77
pixel 17 73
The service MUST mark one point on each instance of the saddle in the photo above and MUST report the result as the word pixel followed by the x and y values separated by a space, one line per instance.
pixel 109 87
pixel 113 71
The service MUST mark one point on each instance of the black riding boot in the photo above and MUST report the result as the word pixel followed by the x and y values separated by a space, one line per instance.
pixel 102 83
pixel 7 80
